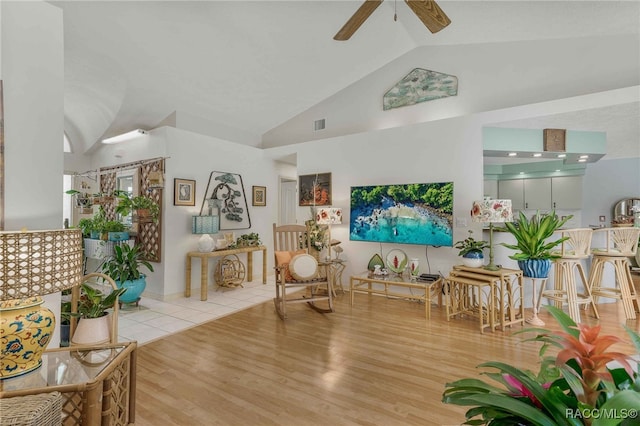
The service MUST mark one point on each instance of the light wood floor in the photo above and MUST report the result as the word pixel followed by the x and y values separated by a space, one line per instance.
pixel 378 363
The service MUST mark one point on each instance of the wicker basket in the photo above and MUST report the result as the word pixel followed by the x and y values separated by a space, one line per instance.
pixel 38 410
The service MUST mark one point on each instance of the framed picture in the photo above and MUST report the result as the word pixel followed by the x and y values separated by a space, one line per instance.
pixel 259 196
pixel 184 192
pixel 315 190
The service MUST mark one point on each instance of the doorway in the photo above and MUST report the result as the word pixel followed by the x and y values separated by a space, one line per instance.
pixel 288 199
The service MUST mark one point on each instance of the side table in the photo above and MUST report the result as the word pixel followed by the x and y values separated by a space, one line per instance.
pixel 509 303
pixel 337 268
pixel 97 383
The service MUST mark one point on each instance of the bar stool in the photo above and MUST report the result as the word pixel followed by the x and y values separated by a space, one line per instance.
pixel 572 251
pixel 621 243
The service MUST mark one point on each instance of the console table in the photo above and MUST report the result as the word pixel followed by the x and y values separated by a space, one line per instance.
pixel 204 266
pixel 363 284
pixel 98 384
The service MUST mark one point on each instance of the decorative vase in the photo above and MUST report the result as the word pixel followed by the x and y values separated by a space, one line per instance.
pixel 315 253
pixel 64 334
pixel 414 267
pixel 473 259
pixel 535 268
pixel 92 331
pixel 134 289
pixel 205 243
pixel 25 331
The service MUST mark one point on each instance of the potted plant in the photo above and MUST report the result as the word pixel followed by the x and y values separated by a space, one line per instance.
pixel 579 386
pixel 65 322
pixel 145 208
pixel 115 231
pixel 82 199
pixel 471 250
pixel 535 254
pixel 86 225
pixel 93 327
pixel 124 268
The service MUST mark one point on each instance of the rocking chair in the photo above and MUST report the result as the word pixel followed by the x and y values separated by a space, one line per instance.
pixel 296 268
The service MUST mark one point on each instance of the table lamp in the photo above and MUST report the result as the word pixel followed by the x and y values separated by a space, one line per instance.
pixel 205 225
pixel 329 216
pixel 32 264
pixel 491 211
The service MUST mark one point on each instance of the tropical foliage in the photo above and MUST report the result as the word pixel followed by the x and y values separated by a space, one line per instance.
pixel 470 244
pixel 579 386
pixel 439 195
pixel 127 204
pixel 531 236
pixel 93 303
pixel 125 263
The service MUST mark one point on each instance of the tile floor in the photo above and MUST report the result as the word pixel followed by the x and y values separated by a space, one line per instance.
pixel 154 319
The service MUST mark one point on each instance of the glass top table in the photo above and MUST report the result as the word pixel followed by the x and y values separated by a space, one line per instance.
pixel 368 283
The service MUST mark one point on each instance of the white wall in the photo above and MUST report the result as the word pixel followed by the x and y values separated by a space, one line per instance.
pixel 504 75
pixel 442 151
pixel 32 71
pixel 193 156
pixel 607 182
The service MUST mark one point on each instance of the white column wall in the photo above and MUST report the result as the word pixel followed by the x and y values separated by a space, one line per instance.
pixel 32 70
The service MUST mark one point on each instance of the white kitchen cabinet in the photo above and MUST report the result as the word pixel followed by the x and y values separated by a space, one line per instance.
pixel 537 194
pixel 512 190
pixel 558 193
pixel 566 193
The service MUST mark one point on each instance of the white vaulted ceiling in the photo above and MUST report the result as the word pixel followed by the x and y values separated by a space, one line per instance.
pixel 252 66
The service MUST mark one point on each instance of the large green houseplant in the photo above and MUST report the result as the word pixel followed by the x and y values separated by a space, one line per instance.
pixel 124 267
pixel 578 386
pixel 533 252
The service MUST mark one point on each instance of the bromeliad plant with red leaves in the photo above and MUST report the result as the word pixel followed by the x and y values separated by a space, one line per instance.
pixel 584 384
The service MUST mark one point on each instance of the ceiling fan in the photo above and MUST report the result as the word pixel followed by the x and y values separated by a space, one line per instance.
pixel 427 10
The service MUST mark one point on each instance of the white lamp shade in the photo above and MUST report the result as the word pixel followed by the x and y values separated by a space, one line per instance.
pixel 329 216
pixel 492 211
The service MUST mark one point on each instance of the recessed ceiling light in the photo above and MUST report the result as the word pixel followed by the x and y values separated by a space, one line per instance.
pixel 582 160
pixel 521 173
pixel 513 154
pixel 562 155
pixel 537 154
pixel 584 156
pixel 557 170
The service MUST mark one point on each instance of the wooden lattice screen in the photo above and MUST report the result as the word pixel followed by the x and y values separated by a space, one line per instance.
pixel 149 234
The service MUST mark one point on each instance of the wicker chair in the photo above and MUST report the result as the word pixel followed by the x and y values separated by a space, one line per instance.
pixel 620 244
pixel 286 245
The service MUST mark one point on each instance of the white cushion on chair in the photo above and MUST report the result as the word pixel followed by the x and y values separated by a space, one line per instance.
pixel 303 267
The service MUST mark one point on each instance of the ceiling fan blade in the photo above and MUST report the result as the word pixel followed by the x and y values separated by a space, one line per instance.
pixel 358 18
pixel 429 13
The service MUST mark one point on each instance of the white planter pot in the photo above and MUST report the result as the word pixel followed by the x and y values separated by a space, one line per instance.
pixel 92 331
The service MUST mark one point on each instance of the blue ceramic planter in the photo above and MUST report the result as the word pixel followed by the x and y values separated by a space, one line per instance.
pixel 134 289
pixel 473 259
pixel 535 268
